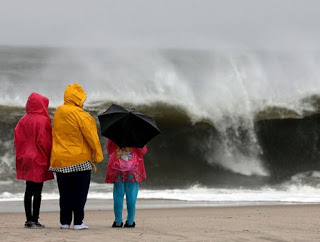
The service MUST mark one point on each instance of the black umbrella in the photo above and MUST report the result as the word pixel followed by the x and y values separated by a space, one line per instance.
pixel 127 128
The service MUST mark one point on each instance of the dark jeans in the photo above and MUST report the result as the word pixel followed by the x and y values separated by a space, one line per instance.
pixel 32 210
pixel 73 190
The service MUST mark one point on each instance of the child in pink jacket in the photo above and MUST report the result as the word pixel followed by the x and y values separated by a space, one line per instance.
pixel 125 170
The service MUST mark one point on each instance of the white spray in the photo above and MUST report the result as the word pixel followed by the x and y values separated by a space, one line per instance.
pixel 228 88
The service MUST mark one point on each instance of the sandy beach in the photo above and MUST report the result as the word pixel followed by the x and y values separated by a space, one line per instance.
pixel 189 223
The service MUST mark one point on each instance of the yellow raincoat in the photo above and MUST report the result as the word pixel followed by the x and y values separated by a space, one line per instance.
pixel 74 132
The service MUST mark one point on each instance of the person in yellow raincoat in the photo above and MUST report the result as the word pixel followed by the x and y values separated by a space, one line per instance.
pixel 75 148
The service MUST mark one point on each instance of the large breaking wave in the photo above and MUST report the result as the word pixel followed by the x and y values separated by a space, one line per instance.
pixel 229 119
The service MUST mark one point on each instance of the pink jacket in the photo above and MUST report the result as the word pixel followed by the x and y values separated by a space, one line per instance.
pixel 33 141
pixel 125 164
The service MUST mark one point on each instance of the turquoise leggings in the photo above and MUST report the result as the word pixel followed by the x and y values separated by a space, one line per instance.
pixel 131 191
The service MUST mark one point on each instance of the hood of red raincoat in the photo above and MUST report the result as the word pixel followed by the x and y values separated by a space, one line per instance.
pixel 37 104
pixel 75 95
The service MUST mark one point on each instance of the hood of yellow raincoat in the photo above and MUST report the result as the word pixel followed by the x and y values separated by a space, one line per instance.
pixel 75 95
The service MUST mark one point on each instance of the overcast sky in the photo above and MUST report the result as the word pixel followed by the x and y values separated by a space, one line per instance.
pixel 162 23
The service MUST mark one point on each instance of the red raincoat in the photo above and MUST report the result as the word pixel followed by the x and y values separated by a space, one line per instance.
pixel 33 141
pixel 125 164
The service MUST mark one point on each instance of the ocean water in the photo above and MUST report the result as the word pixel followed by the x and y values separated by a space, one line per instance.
pixel 237 126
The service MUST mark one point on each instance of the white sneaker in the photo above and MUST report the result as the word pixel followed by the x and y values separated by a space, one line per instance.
pixel 64 226
pixel 81 226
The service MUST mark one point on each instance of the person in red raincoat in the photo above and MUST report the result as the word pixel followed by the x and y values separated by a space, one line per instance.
pixel 125 170
pixel 33 143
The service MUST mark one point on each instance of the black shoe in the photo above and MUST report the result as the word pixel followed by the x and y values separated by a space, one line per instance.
pixel 114 225
pixel 130 226
pixel 29 224
pixel 38 225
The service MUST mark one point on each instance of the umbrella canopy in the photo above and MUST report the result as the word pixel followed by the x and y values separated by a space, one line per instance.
pixel 127 128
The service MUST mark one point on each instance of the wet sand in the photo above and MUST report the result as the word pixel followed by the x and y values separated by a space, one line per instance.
pixel 173 222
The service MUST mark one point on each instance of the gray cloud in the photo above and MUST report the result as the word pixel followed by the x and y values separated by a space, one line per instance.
pixel 174 23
